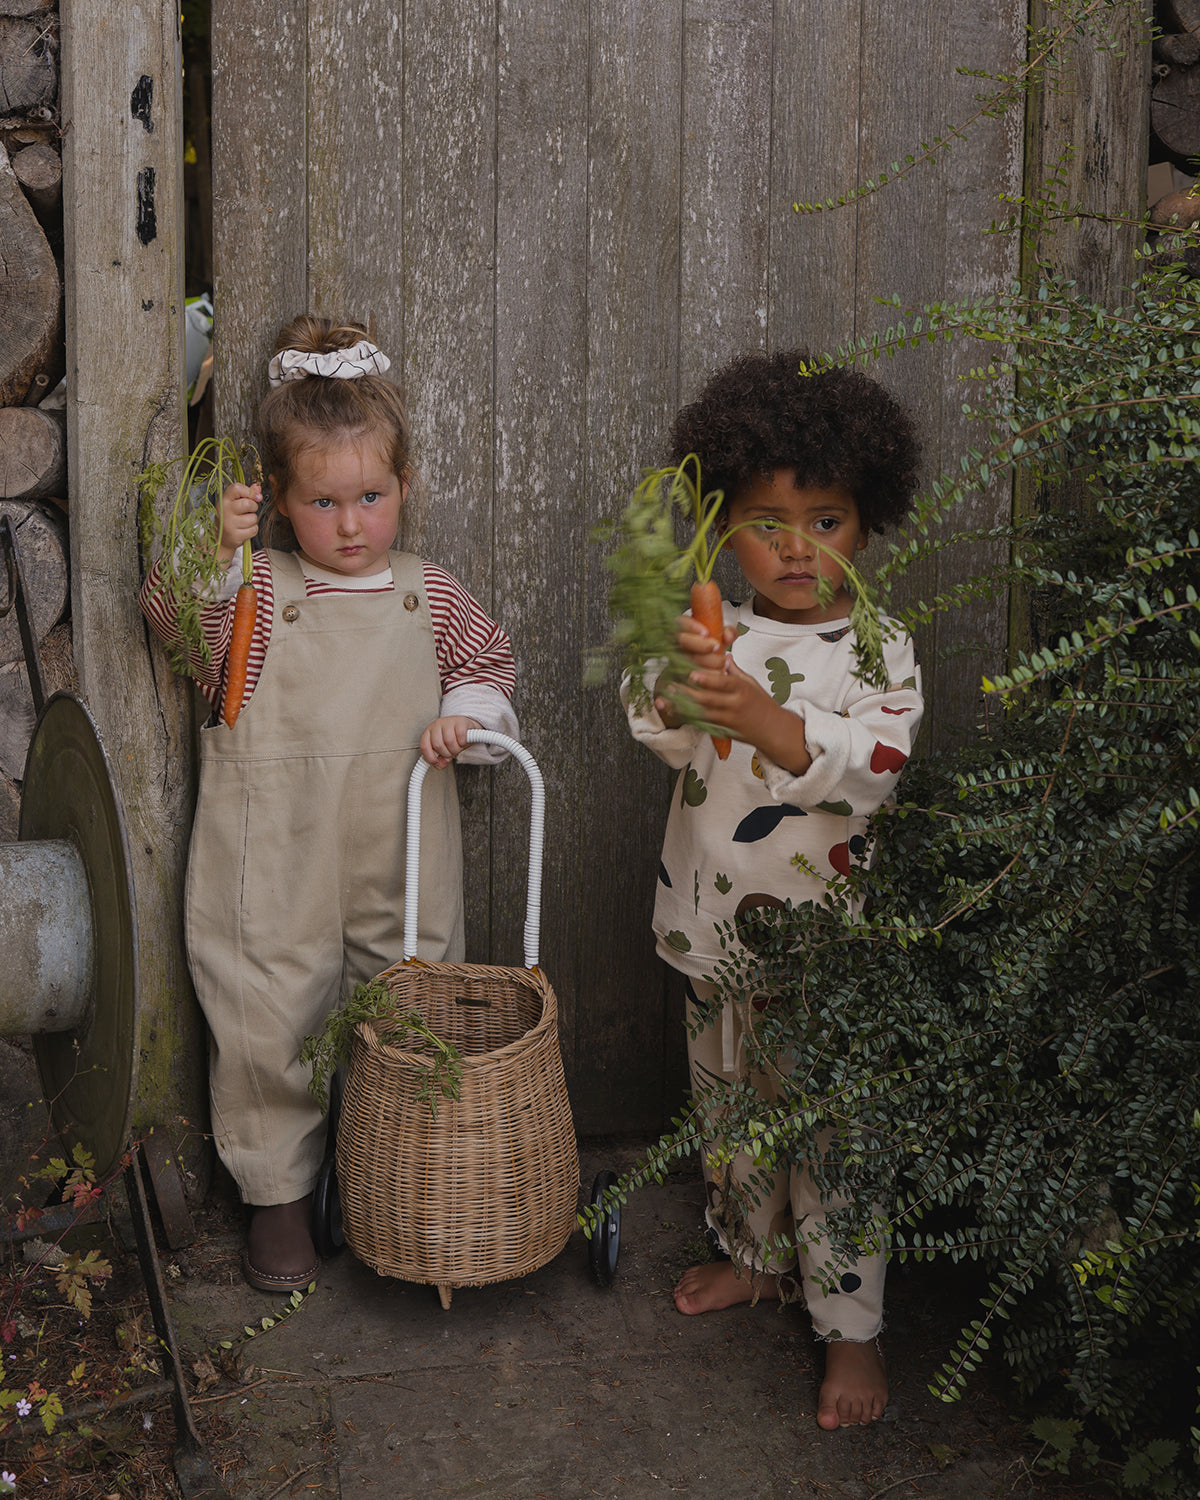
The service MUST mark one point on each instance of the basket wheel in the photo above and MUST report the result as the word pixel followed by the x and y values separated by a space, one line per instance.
pixel 605 1244
pixel 445 1292
pixel 328 1234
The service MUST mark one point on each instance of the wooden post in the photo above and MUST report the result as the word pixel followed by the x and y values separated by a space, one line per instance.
pixel 122 163
pixel 1096 118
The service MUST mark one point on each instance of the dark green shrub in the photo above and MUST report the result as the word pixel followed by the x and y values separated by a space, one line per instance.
pixel 1007 1047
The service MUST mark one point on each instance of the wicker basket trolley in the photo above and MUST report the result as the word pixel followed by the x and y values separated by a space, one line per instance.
pixel 486 1187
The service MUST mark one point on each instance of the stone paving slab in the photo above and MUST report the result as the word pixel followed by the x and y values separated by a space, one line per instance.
pixel 553 1386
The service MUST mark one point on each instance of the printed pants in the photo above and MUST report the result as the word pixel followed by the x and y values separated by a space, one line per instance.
pixel 844 1296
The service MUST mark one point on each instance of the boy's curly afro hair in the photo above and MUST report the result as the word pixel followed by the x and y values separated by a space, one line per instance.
pixel 836 427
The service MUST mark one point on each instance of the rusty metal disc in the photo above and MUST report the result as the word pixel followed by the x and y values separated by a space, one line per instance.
pixel 89 1075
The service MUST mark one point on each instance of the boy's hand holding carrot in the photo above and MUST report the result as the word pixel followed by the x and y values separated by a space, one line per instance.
pixel 446 738
pixel 705 653
pixel 239 517
pixel 731 700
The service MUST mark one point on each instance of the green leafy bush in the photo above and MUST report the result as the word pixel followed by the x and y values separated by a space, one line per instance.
pixel 1006 1048
pixel 1002 1055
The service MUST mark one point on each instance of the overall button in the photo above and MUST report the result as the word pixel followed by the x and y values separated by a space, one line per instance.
pixel 411 602
pixel 291 613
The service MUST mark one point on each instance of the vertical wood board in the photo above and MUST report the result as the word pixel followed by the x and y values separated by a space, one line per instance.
pixel 259 209
pixel 724 203
pixel 814 156
pixel 354 248
pixel 901 238
pixel 540 468
pixel 726 154
pixel 922 238
pixel 122 164
pixel 444 242
pixel 972 640
pixel 621 1041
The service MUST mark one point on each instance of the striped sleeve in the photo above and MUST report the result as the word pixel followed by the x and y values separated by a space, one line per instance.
pixel 216 625
pixel 471 647
pixel 472 650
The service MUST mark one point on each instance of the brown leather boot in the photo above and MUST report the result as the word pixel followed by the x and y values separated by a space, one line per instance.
pixel 279 1254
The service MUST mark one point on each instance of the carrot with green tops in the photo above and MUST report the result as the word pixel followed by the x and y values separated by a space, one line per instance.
pixel 245 609
pixel 651 574
pixel 688 492
pixel 190 567
pixel 650 590
pixel 708 613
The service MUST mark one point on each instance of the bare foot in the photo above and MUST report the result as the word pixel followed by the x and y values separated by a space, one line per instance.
pixel 706 1288
pixel 855 1389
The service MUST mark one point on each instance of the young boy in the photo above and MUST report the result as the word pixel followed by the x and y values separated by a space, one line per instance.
pixel 826 457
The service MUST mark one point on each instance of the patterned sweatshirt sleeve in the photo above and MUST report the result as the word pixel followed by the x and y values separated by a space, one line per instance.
pixel 674 746
pixel 475 663
pixel 859 751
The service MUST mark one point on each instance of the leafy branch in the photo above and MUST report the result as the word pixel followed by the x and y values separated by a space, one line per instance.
pixel 372 1007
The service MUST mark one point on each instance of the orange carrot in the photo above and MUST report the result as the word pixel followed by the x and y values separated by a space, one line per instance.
pixel 245 608
pixel 708 614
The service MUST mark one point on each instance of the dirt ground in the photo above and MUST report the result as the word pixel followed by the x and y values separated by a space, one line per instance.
pixel 546 1386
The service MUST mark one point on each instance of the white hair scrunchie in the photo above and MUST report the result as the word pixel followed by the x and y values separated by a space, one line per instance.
pixel 360 359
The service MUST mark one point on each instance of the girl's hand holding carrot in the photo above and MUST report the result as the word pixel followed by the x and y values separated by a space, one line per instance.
pixel 191 566
pixel 704 649
pixel 239 522
pixel 239 517
pixel 703 652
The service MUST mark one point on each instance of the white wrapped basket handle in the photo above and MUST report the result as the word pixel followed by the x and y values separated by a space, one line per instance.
pixel 537 820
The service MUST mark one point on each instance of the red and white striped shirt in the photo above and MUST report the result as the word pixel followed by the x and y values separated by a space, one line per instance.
pixel 474 656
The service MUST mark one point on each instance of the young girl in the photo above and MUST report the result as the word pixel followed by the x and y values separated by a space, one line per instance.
pixel 801 458
pixel 362 659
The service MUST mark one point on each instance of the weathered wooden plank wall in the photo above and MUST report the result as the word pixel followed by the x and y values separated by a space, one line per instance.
pixel 559 217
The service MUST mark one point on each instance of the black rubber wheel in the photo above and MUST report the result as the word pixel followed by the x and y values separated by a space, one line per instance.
pixel 333 1114
pixel 328 1236
pixel 605 1244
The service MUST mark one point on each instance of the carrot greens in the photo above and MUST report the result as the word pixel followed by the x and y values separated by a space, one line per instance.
pixel 652 574
pixel 188 535
pixel 372 1006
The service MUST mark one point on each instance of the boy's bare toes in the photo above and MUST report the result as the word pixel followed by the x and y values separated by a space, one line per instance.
pixel 854 1392
pixel 707 1288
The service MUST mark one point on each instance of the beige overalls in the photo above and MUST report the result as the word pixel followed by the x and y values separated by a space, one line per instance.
pixel 295 887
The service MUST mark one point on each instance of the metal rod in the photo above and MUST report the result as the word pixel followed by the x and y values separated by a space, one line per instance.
pixel 196 1476
pixel 19 595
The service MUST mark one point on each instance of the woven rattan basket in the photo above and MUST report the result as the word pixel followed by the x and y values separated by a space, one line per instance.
pixel 488 1188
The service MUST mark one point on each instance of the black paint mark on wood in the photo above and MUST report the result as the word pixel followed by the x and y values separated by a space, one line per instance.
pixel 141 99
pixel 147 219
